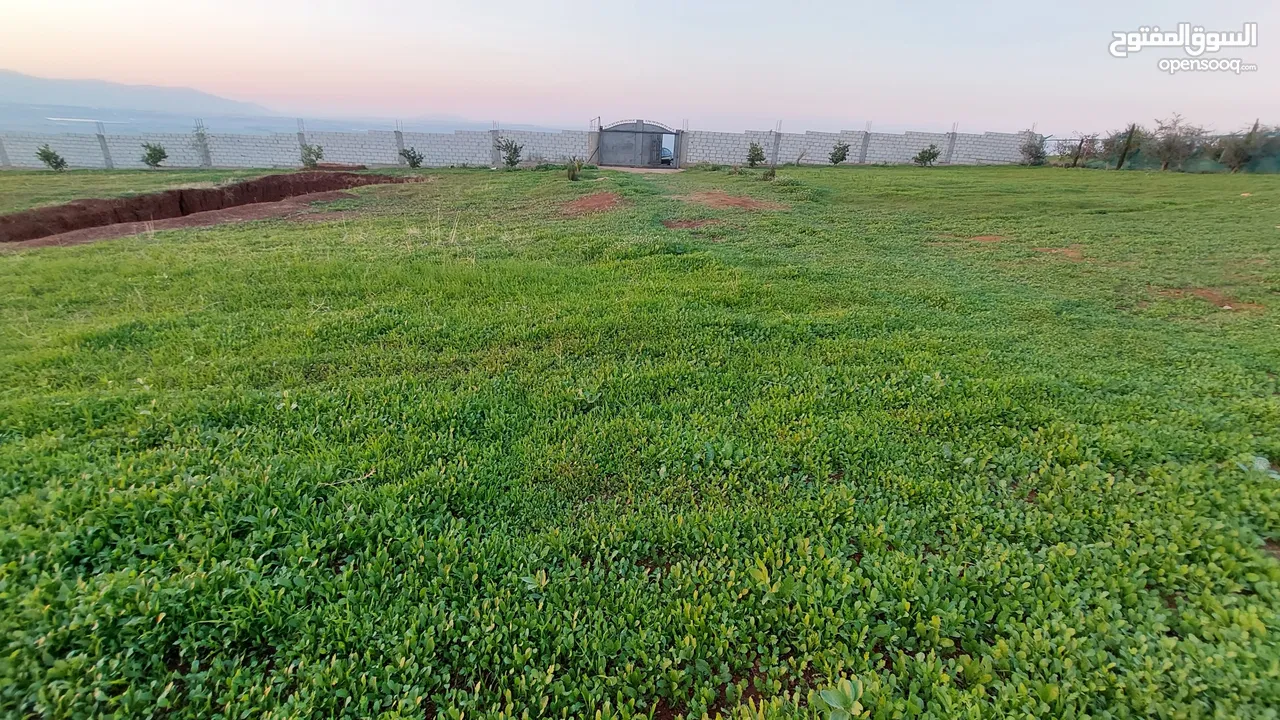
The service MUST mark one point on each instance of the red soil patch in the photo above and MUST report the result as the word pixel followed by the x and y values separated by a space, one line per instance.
pixel 297 207
pixel 720 199
pixel 82 214
pixel 687 224
pixel 1226 302
pixel 1071 252
pixel 986 238
pixel 593 203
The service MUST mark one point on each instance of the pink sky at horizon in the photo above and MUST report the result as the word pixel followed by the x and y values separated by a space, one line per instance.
pixel 815 65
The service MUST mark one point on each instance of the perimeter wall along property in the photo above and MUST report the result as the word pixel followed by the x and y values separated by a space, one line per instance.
pixel 477 148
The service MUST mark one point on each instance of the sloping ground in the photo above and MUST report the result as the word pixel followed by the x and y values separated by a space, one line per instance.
pixel 81 214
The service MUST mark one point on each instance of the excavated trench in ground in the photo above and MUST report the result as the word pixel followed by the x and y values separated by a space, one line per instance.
pixel 81 214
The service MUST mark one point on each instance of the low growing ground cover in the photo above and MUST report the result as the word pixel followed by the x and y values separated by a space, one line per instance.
pixel 989 441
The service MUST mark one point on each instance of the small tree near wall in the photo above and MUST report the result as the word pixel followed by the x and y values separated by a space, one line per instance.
pixel 510 151
pixel 412 157
pixel 1174 141
pixel 153 155
pixel 1236 150
pixel 839 153
pixel 311 155
pixel 755 154
pixel 51 158
pixel 1032 149
pixel 927 156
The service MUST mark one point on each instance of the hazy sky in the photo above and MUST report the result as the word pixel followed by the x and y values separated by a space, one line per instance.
pixel 725 65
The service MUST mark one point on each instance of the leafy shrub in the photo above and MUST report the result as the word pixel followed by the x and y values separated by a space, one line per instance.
pixel 311 155
pixel 412 157
pixel 927 156
pixel 1173 141
pixel 769 174
pixel 1076 150
pixel 1032 150
pixel 574 168
pixel 839 153
pixel 1120 143
pixel 51 158
pixel 1237 150
pixel 510 151
pixel 755 155
pixel 153 155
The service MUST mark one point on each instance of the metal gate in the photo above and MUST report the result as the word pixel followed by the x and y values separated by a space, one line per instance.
pixel 637 143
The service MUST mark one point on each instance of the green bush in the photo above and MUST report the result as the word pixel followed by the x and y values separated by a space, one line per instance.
pixel 755 155
pixel 927 156
pixel 839 153
pixel 1174 141
pixel 51 158
pixel 510 151
pixel 311 155
pixel 412 157
pixel 1033 150
pixel 573 168
pixel 153 155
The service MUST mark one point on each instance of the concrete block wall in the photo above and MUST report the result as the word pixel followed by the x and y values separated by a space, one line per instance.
pixel 722 147
pixel 80 151
pixel 470 147
pixel 898 149
pixel 126 150
pixel 550 147
pixel 277 150
pixel 816 147
pixel 475 148
pixel 988 148
pixel 376 147
pixel 892 148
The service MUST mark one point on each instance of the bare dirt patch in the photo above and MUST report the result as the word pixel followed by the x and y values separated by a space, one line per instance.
pixel 297 207
pixel 1074 253
pixel 1218 298
pixel 179 203
pixel 721 200
pixel 987 238
pixel 687 224
pixel 594 203
pixel 1272 547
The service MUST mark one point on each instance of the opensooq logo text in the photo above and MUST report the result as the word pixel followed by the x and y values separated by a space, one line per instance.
pixel 1195 42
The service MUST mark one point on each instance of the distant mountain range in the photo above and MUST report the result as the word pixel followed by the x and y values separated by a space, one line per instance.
pixel 44 105
pixel 19 89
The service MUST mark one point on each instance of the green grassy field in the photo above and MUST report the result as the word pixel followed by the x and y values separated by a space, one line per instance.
pixel 457 452
pixel 24 189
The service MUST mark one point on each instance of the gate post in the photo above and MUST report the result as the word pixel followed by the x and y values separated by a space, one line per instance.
pixel 4 156
pixel 593 148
